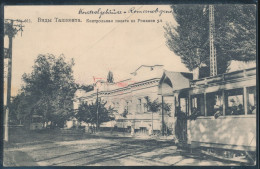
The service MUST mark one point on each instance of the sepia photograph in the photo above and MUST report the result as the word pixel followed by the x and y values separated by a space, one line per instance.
pixel 130 85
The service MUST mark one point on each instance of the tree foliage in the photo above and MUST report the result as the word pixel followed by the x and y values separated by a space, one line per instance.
pixel 9 30
pixel 20 108
pixel 110 77
pixel 88 113
pixel 48 90
pixel 125 113
pixel 235 34
pixel 155 106
pixel 86 88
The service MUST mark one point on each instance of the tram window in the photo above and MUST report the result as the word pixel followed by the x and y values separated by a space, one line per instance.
pixel 197 103
pixel 214 103
pixel 235 104
pixel 251 100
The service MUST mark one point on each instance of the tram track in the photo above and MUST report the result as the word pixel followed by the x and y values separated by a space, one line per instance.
pixel 97 153
pixel 75 152
pixel 128 153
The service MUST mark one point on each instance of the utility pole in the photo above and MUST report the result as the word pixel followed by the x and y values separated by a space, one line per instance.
pixel 97 110
pixel 213 57
pixel 10 31
pixel 152 122
pixel 9 81
pixel 162 117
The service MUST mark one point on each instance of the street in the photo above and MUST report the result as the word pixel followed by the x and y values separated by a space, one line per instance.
pixel 102 151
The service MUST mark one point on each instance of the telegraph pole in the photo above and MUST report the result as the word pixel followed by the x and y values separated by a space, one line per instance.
pixel 10 31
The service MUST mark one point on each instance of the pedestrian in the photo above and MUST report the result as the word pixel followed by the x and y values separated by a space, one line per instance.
pixel 91 129
pixel 150 130
pixel 180 124
pixel 132 131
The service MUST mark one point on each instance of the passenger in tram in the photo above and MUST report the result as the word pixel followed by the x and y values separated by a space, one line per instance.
pixel 194 113
pixel 252 110
pixel 218 111
pixel 231 110
pixel 237 110
pixel 240 109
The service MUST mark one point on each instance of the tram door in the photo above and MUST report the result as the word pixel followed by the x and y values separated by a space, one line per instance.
pixel 183 121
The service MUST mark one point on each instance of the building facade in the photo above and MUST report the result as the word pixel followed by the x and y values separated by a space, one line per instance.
pixel 130 95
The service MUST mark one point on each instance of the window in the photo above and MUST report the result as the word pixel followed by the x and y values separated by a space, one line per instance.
pixel 126 108
pixel 36 119
pixel 115 105
pixel 139 106
pixel 127 105
pixel 184 105
pixel 197 103
pixel 214 103
pixel 145 105
pixel 234 102
pixel 251 98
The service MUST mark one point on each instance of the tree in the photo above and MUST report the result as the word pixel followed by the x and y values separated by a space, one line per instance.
pixel 20 108
pixel 110 78
pixel 48 90
pixel 86 88
pixel 235 34
pixel 155 106
pixel 125 113
pixel 88 113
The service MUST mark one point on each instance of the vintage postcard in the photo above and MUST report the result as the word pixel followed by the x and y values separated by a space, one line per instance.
pixel 130 85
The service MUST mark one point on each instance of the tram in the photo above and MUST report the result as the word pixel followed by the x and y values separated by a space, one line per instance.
pixel 36 122
pixel 221 115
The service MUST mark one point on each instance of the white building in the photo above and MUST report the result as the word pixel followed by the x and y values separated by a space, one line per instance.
pixel 131 94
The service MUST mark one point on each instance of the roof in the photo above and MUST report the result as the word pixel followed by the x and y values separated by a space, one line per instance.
pixel 176 80
pixel 143 75
pixel 145 66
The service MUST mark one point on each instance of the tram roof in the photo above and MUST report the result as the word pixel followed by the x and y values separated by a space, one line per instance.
pixel 224 77
pixel 227 81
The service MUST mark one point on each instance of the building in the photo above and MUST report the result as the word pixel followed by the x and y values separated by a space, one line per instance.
pixel 131 95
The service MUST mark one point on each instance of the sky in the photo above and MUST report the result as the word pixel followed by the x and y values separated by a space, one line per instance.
pixel 95 47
